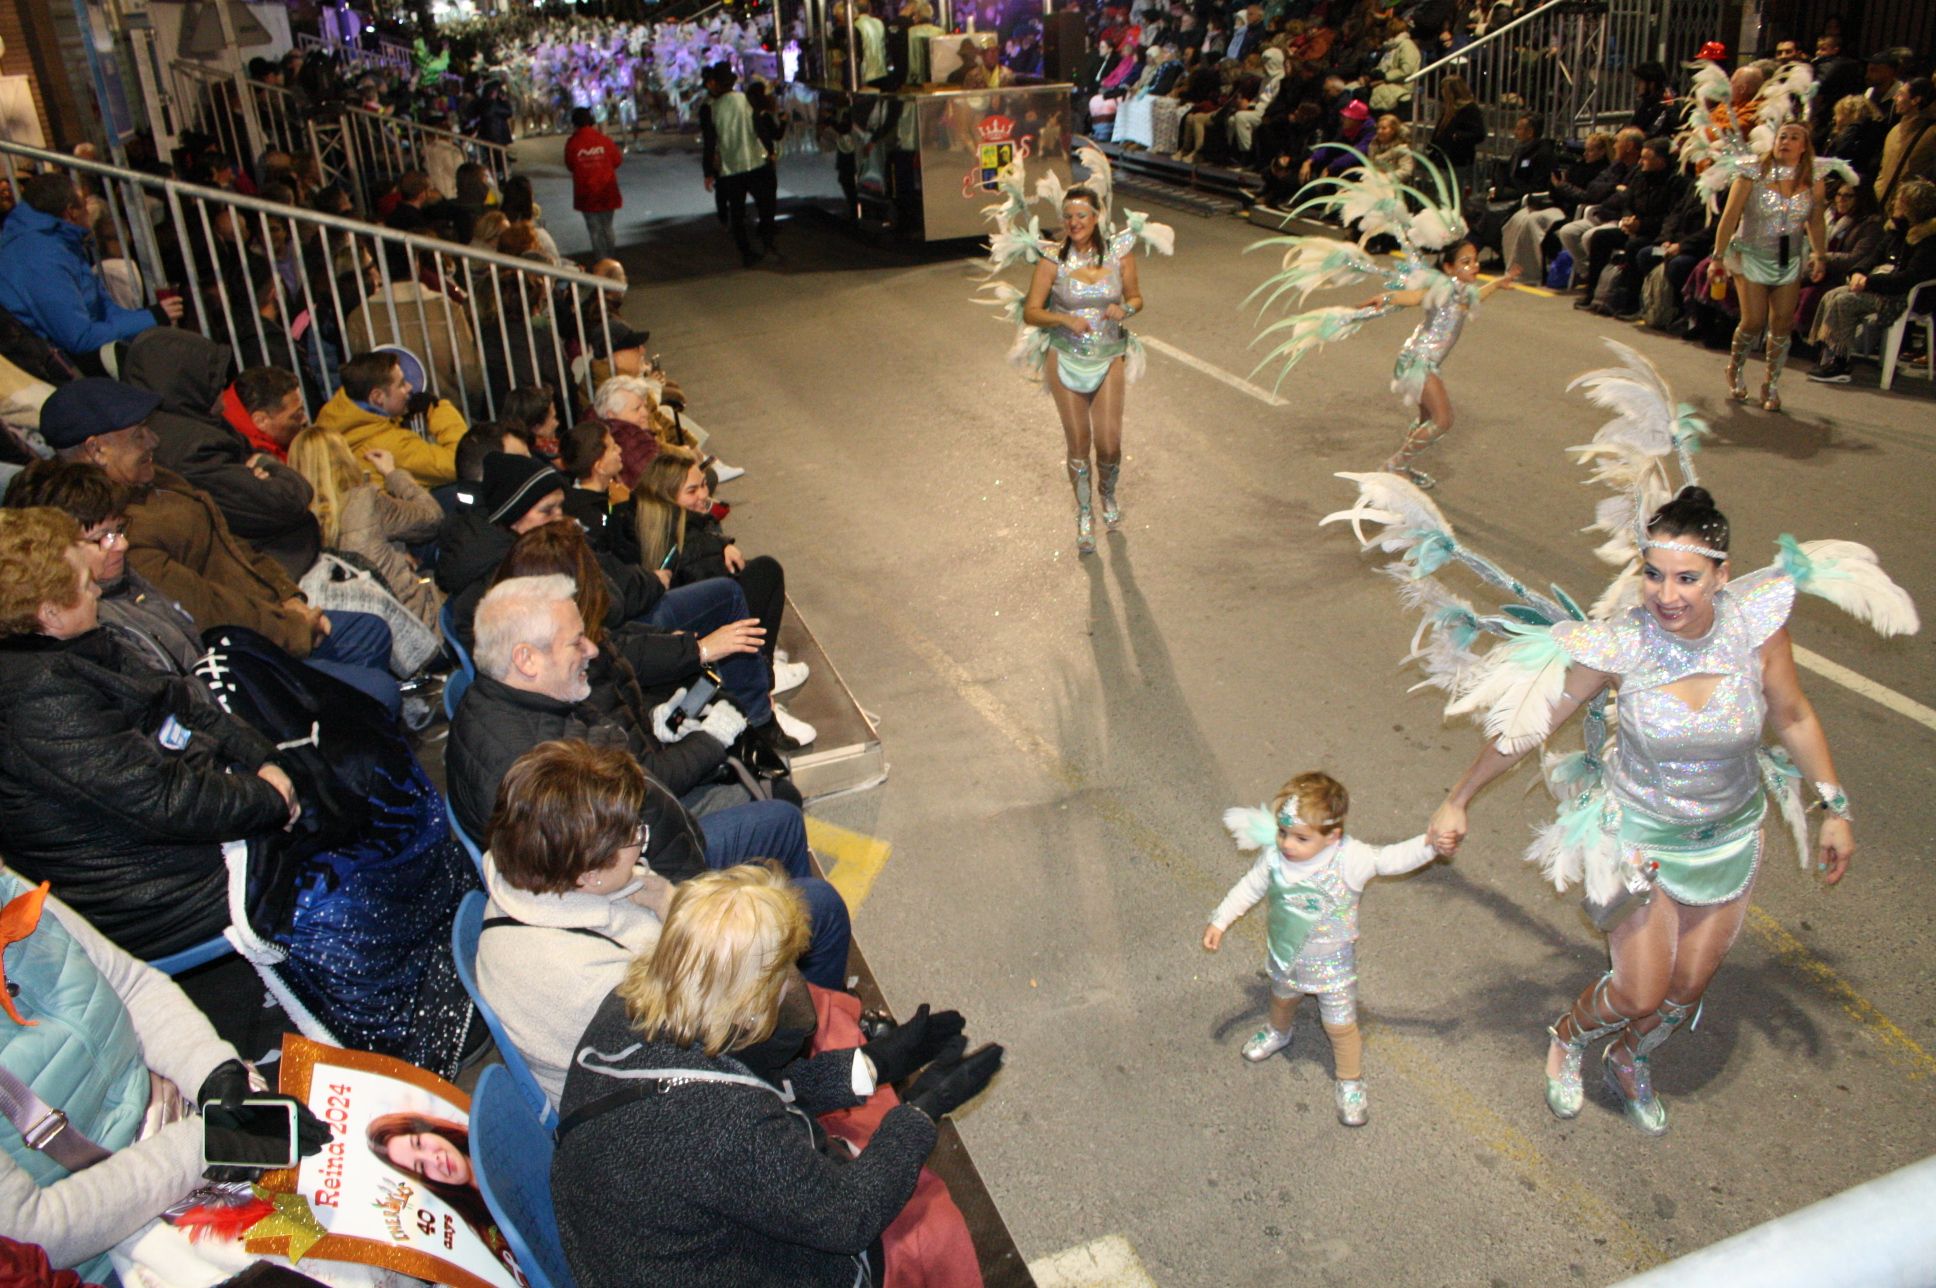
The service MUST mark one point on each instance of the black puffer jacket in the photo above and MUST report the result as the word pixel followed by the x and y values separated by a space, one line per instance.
pixel 120 788
pixel 189 372
pixel 720 1183
pixel 495 724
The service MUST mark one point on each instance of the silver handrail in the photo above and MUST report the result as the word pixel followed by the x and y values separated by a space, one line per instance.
pixel 411 137
pixel 1464 54
pixel 207 258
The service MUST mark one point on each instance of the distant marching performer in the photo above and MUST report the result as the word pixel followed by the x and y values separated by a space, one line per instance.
pixel 1070 321
pixel 1661 822
pixel 1437 269
pixel 1762 158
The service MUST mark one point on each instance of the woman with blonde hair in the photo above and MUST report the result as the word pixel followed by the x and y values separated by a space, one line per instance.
pixel 1776 209
pixel 680 1150
pixel 672 516
pixel 489 227
pixel 375 525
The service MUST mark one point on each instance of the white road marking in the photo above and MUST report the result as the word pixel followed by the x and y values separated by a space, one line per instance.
pixel 1108 1262
pixel 1896 702
pixel 1195 363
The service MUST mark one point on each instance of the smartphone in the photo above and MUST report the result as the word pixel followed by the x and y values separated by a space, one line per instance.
pixel 265 1136
pixel 698 694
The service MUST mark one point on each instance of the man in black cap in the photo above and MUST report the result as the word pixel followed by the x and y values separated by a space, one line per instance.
pixel 1884 72
pixel 179 540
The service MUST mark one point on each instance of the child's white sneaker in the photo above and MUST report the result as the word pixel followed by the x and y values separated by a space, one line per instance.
pixel 1265 1043
pixel 1352 1110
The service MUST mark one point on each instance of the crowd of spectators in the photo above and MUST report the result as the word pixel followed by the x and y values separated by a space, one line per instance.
pixel 213 700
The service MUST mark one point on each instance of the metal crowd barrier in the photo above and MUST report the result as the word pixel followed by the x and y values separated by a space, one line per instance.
pixel 152 214
pixel 208 100
pixel 391 145
pixel 1569 61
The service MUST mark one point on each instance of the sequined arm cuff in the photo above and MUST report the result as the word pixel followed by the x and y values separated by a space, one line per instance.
pixel 1835 801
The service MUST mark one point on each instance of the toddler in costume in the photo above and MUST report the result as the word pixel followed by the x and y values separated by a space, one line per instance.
pixel 1313 875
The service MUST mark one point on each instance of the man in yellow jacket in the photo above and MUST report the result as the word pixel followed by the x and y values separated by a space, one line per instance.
pixel 370 409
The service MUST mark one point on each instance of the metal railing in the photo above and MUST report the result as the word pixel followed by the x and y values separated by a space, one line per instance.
pixel 1570 61
pixel 480 322
pixel 390 145
pixel 287 127
pixel 208 100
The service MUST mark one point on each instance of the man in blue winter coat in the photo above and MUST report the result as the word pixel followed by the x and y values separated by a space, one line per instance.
pixel 48 282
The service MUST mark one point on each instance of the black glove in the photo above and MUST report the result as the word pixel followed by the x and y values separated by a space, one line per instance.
pixel 916 1041
pixel 951 1081
pixel 220 1100
pixel 420 403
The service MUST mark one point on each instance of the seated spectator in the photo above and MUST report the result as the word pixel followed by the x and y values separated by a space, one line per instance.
pixel 627 406
pixel 489 227
pixel 1390 154
pixel 533 408
pixel 370 410
pixel 1598 206
pixel 414 192
pixel 151 625
pixel 48 283
pixel 405 313
pixel 105 1040
pixel 522 210
pixel 179 540
pixel 1908 150
pixel 1877 298
pixel 520 344
pixel 589 455
pixel 533 660
pixel 1636 216
pixel 1856 134
pixel 1686 237
pixel 518 493
pixel 715 1173
pixel 1854 245
pixel 1398 61
pixel 1530 167
pixel 675 528
pixel 1355 131
pixel 117 781
pixel 455 218
pixel 264 501
pixel 481 440
pixel 376 526
pixel 265 407
pixel 1571 183
pixel 120 275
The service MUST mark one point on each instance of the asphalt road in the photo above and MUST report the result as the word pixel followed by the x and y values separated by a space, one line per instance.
pixel 1064 733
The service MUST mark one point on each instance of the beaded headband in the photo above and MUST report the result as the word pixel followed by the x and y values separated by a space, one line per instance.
pixel 1688 547
pixel 1287 818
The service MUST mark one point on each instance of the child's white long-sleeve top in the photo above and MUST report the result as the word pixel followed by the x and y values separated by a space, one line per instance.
pixel 1355 864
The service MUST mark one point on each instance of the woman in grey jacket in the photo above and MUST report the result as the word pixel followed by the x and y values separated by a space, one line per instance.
pixel 373 524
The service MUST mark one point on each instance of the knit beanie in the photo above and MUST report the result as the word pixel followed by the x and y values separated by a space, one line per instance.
pixel 513 484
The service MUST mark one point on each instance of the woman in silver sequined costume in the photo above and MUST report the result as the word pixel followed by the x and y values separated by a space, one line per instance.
pixel 1772 206
pixel 1700 666
pixel 1081 296
pixel 1447 302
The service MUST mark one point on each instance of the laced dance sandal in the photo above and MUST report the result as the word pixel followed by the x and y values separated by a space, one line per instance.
pixel 1421 435
pixel 1643 1108
pixel 1352 1109
pixel 1566 1094
pixel 1771 387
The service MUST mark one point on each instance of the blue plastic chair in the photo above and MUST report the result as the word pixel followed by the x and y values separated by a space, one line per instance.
pixel 466 671
pixel 511 1155
pixel 189 958
pixel 464 933
pixel 454 687
pixel 463 839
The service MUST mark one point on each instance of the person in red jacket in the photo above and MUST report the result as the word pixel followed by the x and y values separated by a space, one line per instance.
pixel 593 161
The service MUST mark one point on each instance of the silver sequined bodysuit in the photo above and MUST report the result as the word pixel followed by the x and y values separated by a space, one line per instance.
pixel 1772 240
pixel 1671 760
pixel 1087 300
pixel 1447 305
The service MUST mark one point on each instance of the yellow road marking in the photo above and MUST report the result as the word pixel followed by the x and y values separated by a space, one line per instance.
pixel 858 859
pixel 1899 1047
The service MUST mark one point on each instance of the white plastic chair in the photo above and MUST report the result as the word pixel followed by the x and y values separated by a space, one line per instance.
pixel 1921 312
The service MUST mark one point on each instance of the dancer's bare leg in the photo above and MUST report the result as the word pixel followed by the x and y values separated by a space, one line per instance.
pixel 1781 334
pixel 1753 299
pixel 1434 422
pixel 1643 951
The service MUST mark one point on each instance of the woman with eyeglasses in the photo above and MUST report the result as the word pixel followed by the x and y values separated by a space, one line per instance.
pixel 572 899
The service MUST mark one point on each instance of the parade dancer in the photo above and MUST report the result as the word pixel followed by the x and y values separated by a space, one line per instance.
pixel 1436 269
pixel 1760 158
pixel 1313 876
pixel 1071 333
pixel 1662 822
